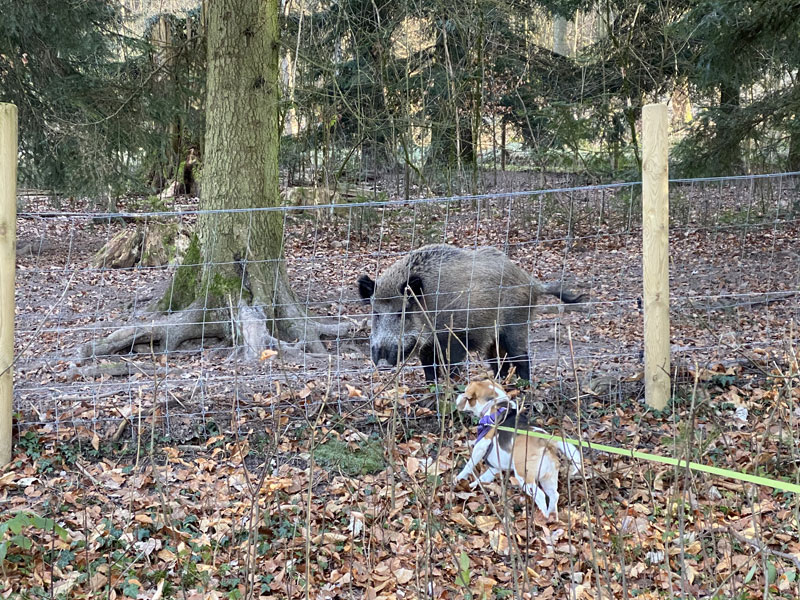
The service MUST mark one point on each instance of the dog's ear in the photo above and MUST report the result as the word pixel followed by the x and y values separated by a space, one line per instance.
pixel 366 287
pixel 413 286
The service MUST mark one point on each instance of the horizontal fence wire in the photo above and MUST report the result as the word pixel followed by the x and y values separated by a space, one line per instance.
pixel 82 277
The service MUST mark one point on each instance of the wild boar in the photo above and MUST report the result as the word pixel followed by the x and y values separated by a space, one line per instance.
pixel 443 301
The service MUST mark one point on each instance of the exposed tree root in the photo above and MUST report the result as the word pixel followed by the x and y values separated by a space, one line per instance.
pixel 166 335
pixel 253 335
pixel 119 368
pixel 293 323
pixel 250 333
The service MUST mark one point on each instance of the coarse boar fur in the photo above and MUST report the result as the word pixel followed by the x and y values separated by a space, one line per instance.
pixel 474 300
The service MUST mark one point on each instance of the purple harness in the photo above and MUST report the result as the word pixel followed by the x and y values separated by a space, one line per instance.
pixel 487 422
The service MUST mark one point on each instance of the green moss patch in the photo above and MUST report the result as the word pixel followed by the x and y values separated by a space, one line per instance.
pixel 184 285
pixel 366 458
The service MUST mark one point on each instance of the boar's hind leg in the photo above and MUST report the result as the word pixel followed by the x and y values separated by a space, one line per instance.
pixel 427 356
pixel 515 340
pixel 494 357
pixel 455 354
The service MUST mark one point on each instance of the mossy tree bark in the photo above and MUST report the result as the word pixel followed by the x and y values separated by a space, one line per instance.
pixel 242 251
pixel 234 272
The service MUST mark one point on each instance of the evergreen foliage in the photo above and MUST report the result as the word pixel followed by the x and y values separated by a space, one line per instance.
pixel 748 54
pixel 57 62
pixel 433 90
pixel 92 108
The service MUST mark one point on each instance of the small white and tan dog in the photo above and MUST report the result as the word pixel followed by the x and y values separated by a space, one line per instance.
pixel 533 461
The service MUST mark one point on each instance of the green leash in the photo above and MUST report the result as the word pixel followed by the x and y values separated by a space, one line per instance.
pixel 666 460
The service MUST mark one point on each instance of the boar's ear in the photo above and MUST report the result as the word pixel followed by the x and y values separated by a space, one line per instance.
pixel 366 287
pixel 414 285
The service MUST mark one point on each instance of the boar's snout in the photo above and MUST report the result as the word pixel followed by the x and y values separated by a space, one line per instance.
pixel 381 353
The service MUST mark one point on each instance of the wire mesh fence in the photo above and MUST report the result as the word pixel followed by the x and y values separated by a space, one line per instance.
pixel 82 277
pixel 283 526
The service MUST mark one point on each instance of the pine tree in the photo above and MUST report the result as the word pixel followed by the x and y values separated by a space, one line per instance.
pixel 57 64
pixel 744 56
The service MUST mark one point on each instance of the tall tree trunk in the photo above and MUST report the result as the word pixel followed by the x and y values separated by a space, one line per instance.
pixel 235 264
pixel 242 251
pixel 632 113
pixel 477 105
pixel 794 146
pixel 503 151
pixel 560 36
pixel 729 152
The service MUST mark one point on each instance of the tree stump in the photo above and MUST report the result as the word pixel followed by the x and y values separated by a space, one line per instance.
pixel 152 244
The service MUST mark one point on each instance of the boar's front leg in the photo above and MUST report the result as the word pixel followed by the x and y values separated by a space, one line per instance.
pixel 512 351
pixel 428 358
pixel 449 351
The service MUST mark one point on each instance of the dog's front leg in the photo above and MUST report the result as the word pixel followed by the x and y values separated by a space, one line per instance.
pixel 486 477
pixel 478 452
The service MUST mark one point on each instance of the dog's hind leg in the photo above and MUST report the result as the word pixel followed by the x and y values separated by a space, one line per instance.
pixel 533 490
pixel 550 488
pixel 539 498
pixel 548 481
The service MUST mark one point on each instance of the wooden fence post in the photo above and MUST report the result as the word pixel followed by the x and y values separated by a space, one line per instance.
pixel 655 256
pixel 8 233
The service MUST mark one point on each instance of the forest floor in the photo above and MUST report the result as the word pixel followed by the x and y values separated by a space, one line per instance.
pixel 194 474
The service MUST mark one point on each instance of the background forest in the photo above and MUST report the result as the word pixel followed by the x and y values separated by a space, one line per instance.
pixel 432 94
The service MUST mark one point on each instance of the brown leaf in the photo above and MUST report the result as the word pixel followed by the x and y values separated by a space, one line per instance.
pixel 98 580
pixel 460 519
pixel 486 523
pixel 65 587
pixel 499 542
pixel 484 587
pixel 159 590
pixel 403 575
pixel 167 555
pixel 330 537
pixel 412 465
pixel 353 392
pixel 267 354
pixel 691 572
pixel 95 442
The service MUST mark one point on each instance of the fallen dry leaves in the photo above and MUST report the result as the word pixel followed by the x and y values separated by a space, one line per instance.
pixel 215 521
